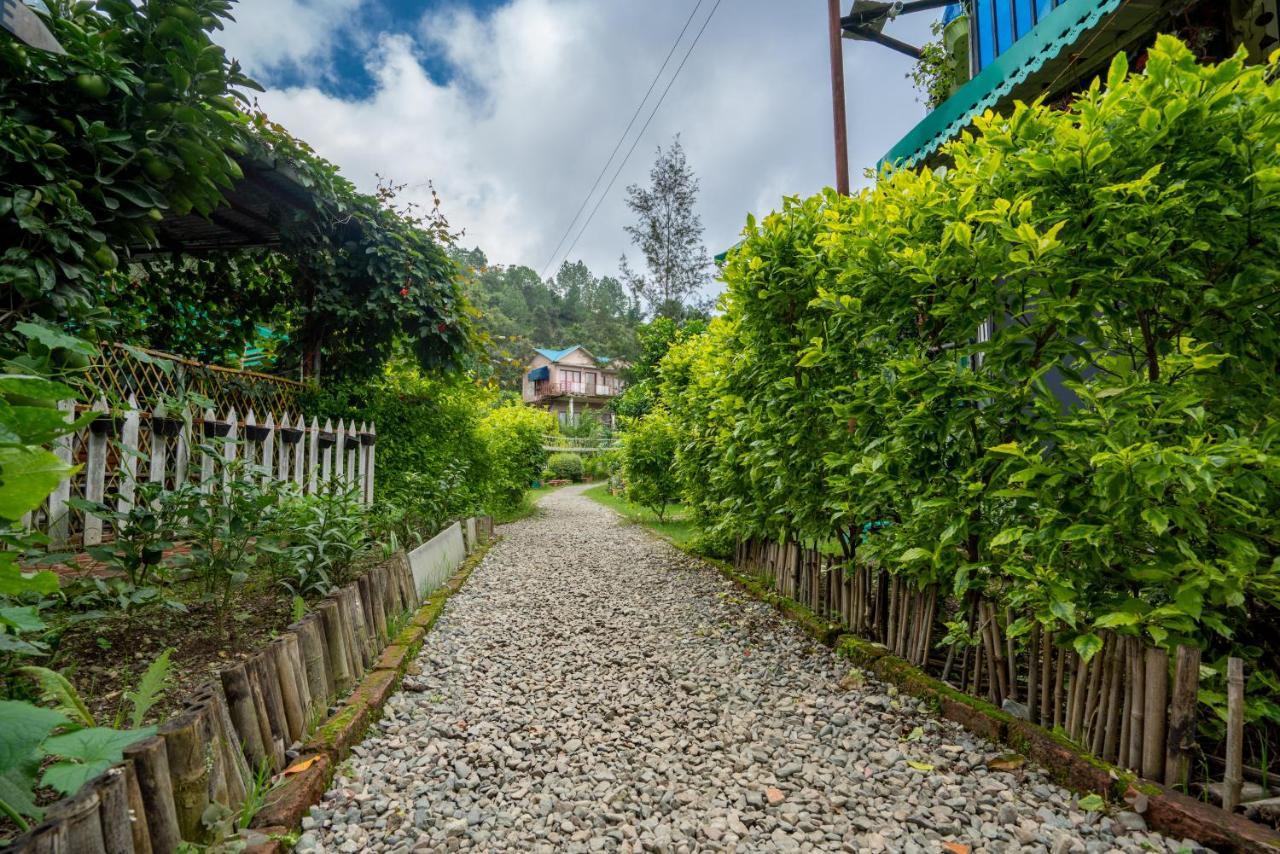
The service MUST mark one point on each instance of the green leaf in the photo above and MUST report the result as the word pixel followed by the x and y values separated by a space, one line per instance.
pixel 13 582
pixel 1087 646
pixel 1118 71
pixel 27 476
pixel 1064 611
pixel 22 729
pixel 915 554
pixel 91 751
pixel 1117 618
pixel 68 777
pixel 37 388
pixel 1078 532
pixel 55 339
pixel 920 766
pixel 22 619
pixel 56 690
pixel 1092 803
pixel 1157 519
pixel 151 687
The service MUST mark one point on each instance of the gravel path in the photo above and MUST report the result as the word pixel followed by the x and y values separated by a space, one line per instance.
pixel 592 688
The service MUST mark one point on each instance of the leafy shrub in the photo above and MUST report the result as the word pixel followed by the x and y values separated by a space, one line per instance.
pixel 317 540
pixel 648 447
pixel 513 436
pixel 433 465
pixel 1103 455
pixel 566 466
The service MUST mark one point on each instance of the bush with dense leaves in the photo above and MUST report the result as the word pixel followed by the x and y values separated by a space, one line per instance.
pixel 1051 366
pixel 648 449
pixel 513 436
pixel 567 466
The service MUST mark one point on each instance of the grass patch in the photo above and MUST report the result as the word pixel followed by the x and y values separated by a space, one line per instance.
pixel 528 503
pixel 678 525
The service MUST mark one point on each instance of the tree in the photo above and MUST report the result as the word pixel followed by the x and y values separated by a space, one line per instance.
pixel 669 235
pixel 649 445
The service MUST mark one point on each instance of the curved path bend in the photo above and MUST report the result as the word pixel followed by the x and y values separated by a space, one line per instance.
pixel 592 688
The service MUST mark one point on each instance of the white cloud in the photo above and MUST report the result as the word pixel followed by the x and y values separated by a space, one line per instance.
pixel 542 88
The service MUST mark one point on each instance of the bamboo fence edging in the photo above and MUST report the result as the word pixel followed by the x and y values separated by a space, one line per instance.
pixel 1129 706
pixel 258 712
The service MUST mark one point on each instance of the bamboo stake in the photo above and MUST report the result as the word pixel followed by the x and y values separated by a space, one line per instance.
pixel 1111 723
pixel 277 718
pixel 336 642
pixel 80 814
pixel 219 788
pixel 1059 689
pixel 236 766
pixel 1137 718
pixel 189 774
pixel 1033 671
pixel 137 809
pixel 1011 658
pixel 1155 709
pixel 295 718
pixel 293 651
pixel 113 812
pixel 244 717
pixel 1126 705
pixel 1093 699
pixel 1233 778
pixel 309 649
pixel 1181 739
pixel 1079 696
pixel 365 594
pixel 150 760
pixel 273 747
pixel 1046 676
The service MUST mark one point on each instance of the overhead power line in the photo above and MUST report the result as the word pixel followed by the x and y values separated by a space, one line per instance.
pixel 640 135
pixel 621 139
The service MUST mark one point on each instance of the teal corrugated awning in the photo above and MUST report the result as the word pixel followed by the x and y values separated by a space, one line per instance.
pixel 1055 33
pixel 540 374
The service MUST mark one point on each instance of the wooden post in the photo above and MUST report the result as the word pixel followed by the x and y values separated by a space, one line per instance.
pixel 834 39
pixel 230 447
pixel 137 809
pixel 150 760
pixel 189 772
pixel 95 476
pixel 59 513
pixel 313 467
pixel 1155 713
pixel 297 667
pixel 238 774
pixel 1137 705
pixel 1181 739
pixel 80 814
pixel 128 457
pixel 277 718
pixel 295 716
pixel 300 454
pixel 339 454
pixel 315 661
pixel 182 454
pixel 235 684
pixel 159 449
pixel 1233 779
pixel 206 456
pixel 113 812
pixel 336 640
pixel 284 453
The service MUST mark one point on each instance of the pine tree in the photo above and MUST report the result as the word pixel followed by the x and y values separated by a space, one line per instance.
pixel 668 233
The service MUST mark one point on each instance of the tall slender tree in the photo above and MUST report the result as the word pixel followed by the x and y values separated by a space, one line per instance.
pixel 668 233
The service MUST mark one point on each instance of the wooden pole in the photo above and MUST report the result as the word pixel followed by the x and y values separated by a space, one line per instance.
pixel 188 773
pixel 137 809
pixel 1155 711
pixel 244 717
pixel 150 759
pixel 835 38
pixel 80 814
pixel 295 718
pixel 1181 738
pixel 113 812
pixel 1233 779
pixel 336 639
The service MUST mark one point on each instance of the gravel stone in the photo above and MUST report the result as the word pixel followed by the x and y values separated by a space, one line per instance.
pixel 592 688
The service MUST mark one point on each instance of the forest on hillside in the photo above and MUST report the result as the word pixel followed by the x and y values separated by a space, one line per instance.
pixel 519 311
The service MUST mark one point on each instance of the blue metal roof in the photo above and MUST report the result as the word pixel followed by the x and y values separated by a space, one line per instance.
pixel 556 355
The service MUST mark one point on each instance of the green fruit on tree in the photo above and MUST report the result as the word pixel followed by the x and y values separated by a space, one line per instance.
pixel 157 169
pixel 152 554
pixel 93 85
pixel 104 257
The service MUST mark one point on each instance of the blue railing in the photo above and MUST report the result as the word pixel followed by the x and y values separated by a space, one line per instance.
pixel 997 24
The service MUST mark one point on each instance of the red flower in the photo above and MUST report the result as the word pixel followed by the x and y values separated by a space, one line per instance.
pixel 404 292
pixel 442 328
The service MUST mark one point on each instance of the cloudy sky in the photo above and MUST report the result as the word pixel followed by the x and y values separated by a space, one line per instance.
pixel 511 107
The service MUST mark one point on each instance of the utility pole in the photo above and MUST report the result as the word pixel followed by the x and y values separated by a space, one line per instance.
pixel 837 96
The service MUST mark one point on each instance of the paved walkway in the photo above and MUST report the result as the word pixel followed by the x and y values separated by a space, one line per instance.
pixel 592 688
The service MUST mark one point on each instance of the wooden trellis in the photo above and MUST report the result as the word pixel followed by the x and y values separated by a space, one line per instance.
pixel 153 378
pixel 124 447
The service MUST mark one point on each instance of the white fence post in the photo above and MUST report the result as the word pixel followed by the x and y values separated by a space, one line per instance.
pixel 313 457
pixel 269 451
pixel 182 457
pixel 300 454
pixel 59 520
pixel 159 448
pixel 206 457
pixel 368 472
pixel 326 463
pixel 229 447
pixel 96 471
pixel 251 447
pixel 339 453
pixel 128 457
pixel 350 442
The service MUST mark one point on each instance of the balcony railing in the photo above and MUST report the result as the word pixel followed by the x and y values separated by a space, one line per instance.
pixel 550 389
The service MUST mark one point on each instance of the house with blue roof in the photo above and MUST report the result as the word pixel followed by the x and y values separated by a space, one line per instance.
pixel 572 380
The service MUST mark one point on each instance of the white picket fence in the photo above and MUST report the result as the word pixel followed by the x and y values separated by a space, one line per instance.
pixel 118 449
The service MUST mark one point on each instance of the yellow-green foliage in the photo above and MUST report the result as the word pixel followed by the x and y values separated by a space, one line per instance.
pixel 1113 461
pixel 513 435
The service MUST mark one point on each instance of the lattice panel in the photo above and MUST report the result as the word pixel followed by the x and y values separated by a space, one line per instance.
pixel 155 378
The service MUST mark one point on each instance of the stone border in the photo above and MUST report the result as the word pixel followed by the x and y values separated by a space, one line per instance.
pixel 1165 810
pixel 333 738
